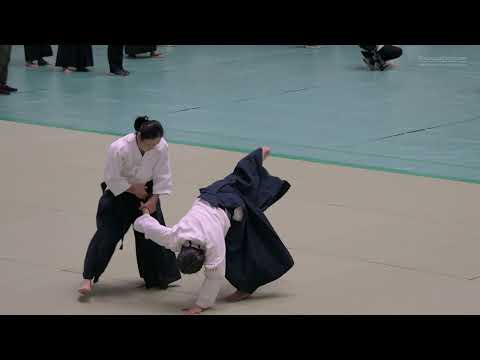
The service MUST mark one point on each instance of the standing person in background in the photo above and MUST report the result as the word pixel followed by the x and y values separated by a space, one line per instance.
pixel 74 56
pixel 115 60
pixel 5 51
pixel 37 53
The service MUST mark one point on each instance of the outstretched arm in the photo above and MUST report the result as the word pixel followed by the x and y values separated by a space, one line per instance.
pixel 154 231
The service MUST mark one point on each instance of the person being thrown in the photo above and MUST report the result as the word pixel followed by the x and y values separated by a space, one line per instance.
pixel 227 232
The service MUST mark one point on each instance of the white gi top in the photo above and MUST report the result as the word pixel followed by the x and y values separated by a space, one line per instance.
pixel 126 166
pixel 203 225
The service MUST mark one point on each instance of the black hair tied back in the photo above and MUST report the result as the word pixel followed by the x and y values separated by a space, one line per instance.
pixel 148 129
pixel 139 122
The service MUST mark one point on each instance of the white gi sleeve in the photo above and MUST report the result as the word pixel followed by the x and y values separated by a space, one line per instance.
pixel 214 278
pixel 162 175
pixel 115 182
pixel 154 231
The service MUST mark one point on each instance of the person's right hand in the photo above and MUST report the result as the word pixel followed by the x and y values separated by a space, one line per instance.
pixel 139 190
pixel 145 210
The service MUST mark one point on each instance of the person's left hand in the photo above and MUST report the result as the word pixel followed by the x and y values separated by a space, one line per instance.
pixel 194 310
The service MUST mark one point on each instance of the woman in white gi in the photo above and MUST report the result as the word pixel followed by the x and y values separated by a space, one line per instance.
pixel 137 172
pixel 199 237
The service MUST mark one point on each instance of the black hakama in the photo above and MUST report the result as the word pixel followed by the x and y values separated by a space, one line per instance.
pixel 37 52
pixel 115 214
pixel 255 254
pixel 78 56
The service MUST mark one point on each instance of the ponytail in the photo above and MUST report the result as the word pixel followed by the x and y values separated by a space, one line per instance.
pixel 148 129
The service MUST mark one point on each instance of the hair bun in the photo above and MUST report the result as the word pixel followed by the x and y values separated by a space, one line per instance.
pixel 139 122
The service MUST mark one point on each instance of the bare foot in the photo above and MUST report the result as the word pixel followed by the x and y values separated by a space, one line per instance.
pixel 85 287
pixel 194 310
pixel 67 71
pixel 237 296
pixel 155 54
pixel 265 152
pixel 31 65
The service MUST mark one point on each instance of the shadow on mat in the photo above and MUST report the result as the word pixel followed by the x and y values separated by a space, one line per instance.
pixel 358 67
pixel 257 296
pixel 103 290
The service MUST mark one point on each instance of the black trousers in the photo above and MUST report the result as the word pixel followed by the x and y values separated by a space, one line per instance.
pixel 115 214
pixel 115 57
pixel 390 52
pixel 5 51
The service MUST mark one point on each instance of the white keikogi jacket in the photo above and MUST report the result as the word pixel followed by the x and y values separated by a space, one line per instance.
pixel 125 165
pixel 203 225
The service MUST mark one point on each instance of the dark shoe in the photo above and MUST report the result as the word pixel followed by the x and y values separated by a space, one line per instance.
pixel 367 54
pixel 42 62
pixel 4 92
pixel 369 62
pixel 9 89
pixel 379 62
pixel 82 69
pixel 384 66
pixel 120 72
